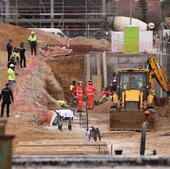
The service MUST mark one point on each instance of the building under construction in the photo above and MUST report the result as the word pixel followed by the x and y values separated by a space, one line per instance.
pixel 76 17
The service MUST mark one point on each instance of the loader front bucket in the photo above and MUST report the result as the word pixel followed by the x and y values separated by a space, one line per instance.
pixel 128 120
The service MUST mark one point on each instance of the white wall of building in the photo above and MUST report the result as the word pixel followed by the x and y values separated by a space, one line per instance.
pixel 145 41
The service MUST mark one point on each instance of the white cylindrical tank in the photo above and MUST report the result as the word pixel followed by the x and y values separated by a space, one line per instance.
pixel 120 22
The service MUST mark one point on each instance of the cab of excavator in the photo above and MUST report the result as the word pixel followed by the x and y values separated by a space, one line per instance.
pixel 132 81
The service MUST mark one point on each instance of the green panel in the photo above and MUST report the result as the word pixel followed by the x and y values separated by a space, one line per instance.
pixel 131 40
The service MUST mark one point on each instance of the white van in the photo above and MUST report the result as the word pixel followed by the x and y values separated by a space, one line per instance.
pixel 55 31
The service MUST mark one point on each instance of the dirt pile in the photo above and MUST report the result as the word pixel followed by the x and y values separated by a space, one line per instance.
pixel 36 87
pixel 66 69
pixel 83 44
pixel 18 35
pixel 162 117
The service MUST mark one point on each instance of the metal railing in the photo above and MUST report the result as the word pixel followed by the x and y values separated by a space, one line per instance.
pixel 100 147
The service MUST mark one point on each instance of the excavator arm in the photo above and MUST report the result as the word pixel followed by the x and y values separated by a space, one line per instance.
pixel 158 73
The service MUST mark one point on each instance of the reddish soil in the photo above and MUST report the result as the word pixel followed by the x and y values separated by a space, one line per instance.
pixel 45 80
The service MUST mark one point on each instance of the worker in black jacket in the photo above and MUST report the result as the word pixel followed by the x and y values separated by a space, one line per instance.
pixel 7 97
pixel 9 48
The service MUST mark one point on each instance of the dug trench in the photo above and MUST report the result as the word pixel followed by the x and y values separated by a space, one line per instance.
pixel 66 69
pixel 48 81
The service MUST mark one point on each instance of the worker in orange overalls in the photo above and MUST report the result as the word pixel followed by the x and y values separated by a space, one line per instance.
pixel 90 91
pixel 79 96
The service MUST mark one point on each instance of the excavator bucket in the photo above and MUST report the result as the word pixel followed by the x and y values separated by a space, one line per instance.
pixel 128 120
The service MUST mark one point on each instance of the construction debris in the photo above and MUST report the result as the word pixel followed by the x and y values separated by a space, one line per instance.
pixel 57 51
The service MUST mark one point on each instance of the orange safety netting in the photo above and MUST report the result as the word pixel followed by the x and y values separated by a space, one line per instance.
pixel 43 117
pixel 21 80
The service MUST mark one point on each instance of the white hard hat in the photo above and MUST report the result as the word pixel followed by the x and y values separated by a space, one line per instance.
pixel 114 80
pixel 11 65
pixel 32 32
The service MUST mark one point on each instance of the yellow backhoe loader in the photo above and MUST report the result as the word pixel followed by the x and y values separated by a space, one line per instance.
pixel 135 93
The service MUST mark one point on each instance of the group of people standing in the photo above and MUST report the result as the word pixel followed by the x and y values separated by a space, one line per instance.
pixel 16 60
pixel 78 94
pixel 16 55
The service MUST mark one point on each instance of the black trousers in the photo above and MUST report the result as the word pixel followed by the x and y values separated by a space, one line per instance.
pixel 33 50
pixel 22 61
pixel 9 55
pixel 3 106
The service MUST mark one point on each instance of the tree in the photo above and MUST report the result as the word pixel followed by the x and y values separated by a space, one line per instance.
pixel 143 4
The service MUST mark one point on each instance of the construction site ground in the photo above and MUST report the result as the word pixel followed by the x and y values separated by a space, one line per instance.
pixel 45 80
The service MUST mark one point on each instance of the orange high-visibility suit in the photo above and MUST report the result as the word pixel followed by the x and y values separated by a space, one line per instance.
pixel 90 91
pixel 80 96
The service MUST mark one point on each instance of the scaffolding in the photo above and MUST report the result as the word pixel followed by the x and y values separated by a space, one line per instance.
pixel 75 17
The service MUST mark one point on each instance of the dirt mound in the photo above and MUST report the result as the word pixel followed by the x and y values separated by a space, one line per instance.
pixel 162 117
pixel 83 44
pixel 161 102
pixel 18 35
pixel 66 69
pixel 37 88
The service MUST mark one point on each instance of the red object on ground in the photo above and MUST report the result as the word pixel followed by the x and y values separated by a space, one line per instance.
pixel 45 117
pixel 90 91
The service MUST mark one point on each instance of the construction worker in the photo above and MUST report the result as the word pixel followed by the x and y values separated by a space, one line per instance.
pixel 11 76
pixel 90 91
pixel 11 61
pixel 79 96
pixel 105 95
pixel 72 89
pixel 33 43
pixel 140 84
pixel 9 48
pixel 16 56
pixel 113 85
pixel 22 55
pixel 7 97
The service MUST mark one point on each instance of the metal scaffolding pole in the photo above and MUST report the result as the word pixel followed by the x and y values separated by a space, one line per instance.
pixel 104 8
pixel 130 12
pixel 63 12
pixel 7 8
pixel 17 13
pixel 86 19
pixel 40 11
pixel 52 12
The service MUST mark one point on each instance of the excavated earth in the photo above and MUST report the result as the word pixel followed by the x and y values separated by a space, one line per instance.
pixel 47 79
